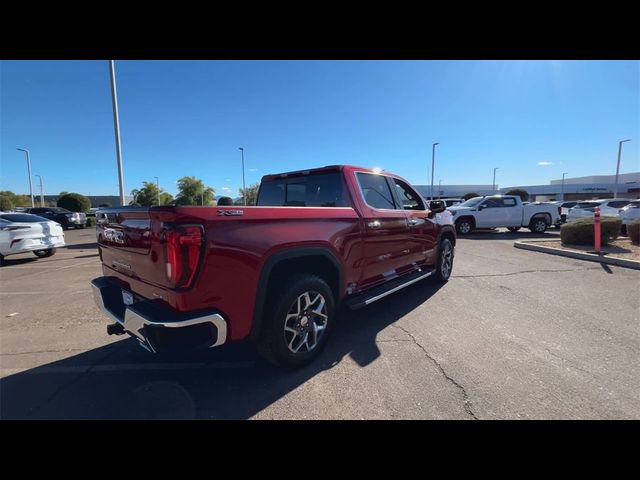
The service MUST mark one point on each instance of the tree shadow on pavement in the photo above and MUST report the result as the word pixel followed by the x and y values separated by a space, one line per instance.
pixel 122 381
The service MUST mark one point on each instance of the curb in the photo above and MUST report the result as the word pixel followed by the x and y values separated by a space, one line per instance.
pixel 591 257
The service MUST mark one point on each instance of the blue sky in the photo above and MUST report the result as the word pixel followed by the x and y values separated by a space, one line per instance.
pixel 189 118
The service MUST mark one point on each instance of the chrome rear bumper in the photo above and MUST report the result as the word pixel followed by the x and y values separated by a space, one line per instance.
pixel 159 328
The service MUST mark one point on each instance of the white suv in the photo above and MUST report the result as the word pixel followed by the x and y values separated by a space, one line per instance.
pixel 629 213
pixel 608 208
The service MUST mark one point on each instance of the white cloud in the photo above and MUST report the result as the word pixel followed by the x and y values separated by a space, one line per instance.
pixel 227 179
pixel 545 164
pixel 225 189
pixel 253 169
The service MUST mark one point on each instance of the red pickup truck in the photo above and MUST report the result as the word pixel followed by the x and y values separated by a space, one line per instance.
pixel 187 277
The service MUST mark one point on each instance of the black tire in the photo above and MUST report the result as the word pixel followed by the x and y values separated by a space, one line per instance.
pixel 1 260
pixel 276 343
pixel 464 226
pixel 445 261
pixel 80 226
pixel 44 253
pixel 513 229
pixel 538 225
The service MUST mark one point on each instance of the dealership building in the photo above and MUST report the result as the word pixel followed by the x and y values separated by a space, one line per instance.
pixel 577 188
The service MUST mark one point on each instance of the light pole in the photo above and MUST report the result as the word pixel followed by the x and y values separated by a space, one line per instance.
pixel 494 178
pixel 244 189
pixel 433 160
pixel 439 190
pixel 158 188
pixel 615 192
pixel 41 194
pixel 29 170
pixel 562 192
pixel 116 124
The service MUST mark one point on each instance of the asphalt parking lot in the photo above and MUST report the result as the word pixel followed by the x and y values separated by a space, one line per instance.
pixel 513 335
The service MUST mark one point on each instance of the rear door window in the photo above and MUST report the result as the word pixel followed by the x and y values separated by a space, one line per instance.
pixel 509 202
pixel 493 203
pixel 320 190
pixel 375 191
pixel 408 197
pixel 619 203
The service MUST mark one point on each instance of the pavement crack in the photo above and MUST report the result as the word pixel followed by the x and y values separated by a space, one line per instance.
pixel 465 395
pixel 523 271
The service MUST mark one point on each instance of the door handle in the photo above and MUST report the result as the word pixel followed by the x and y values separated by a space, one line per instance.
pixel 374 224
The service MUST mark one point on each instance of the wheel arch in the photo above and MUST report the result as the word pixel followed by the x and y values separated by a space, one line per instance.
pixel 317 261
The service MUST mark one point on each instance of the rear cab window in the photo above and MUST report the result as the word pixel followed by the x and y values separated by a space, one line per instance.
pixel 314 190
pixel 376 191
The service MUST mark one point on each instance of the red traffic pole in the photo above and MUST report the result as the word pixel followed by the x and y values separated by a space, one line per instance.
pixel 596 228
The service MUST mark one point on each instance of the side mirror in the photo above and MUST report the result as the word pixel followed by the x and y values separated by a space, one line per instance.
pixel 437 206
pixel 480 207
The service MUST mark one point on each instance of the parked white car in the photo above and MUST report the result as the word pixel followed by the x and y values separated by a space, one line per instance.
pixel 608 208
pixel 23 232
pixel 503 211
pixel 629 213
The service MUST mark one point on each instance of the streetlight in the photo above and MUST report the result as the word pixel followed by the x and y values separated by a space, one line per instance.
pixel 116 124
pixel 29 170
pixel 158 188
pixel 615 192
pixel 494 178
pixel 433 159
pixel 41 194
pixel 562 192
pixel 439 188
pixel 244 189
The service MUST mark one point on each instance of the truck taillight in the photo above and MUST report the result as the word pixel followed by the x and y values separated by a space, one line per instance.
pixel 183 245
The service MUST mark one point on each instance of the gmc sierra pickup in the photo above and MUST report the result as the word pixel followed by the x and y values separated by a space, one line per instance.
pixel 188 277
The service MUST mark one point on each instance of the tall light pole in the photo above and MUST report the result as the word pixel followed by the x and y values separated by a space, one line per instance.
pixel 158 188
pixel 433 160
pixel 494 178
pixel 116 124
pixel 41 194
pixel 562 192
pixel 439 190
pixel 244 189
pixel 29 170
pixel 615 191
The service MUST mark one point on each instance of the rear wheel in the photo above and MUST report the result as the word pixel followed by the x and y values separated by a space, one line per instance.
pixel 44 253
pixel 464 226
pixel 538 225
pixel 445 261
pixel 297 322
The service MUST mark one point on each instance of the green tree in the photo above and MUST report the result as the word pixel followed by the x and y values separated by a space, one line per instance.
pixel 62 193
pixel 523 194
pixel 6 205
pixel 469 195
pixel 74 202
pixel 105 205
pixel 17 200
pixel 148 195
pixel 191 191
pixel 251 193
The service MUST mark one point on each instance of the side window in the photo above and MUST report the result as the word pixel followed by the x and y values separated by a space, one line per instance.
pixel 618 204
pixel 509 202
pixel 375 191
pixel 493 203
pixel 409 198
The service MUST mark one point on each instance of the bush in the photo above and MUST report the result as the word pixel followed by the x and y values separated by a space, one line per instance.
pixel 580 232
pixel 523 194
pixel 6 205
pixel 74 202
pixel 633 230
pixel 91 221
pixel 469 195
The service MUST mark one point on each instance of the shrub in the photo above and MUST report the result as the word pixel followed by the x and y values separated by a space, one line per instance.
pixel 469 195
pixel 523 194
pixel 91 222
pixel 74 202
pixel 580 232
pixel 633 230
pixel 6 205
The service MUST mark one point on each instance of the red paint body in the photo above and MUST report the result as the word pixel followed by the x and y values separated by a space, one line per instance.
pixel 237 247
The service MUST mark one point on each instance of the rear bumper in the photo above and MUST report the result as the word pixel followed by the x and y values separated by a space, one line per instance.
pixel 159 328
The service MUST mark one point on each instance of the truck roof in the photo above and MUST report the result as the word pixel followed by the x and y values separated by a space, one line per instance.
pixel 327 168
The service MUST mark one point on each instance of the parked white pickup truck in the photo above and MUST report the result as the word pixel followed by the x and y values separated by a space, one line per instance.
pixel 503 211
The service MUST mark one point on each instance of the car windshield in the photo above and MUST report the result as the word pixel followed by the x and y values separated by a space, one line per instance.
pixel 22 218
pixel 472 202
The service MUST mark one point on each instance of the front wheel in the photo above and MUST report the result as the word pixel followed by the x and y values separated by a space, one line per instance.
pixel 445 261
pixel 297 321
pixel 44 253
pixel 464 226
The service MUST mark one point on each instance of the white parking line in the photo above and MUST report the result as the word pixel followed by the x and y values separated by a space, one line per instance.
pixel 126 367
pixel 58 292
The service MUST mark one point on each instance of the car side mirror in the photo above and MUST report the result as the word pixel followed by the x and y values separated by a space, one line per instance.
pixel 480 207
pixel 437 206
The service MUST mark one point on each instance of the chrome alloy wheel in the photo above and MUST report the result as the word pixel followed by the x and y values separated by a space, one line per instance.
pixel 465 227
pixel 447 260
pixel 539 226
pixel 305 322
